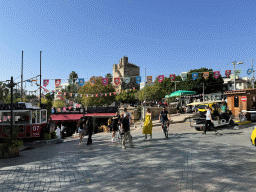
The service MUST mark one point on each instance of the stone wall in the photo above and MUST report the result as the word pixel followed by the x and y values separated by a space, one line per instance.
pixel 125 69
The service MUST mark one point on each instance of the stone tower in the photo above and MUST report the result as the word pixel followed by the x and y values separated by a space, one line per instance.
pixel 125 69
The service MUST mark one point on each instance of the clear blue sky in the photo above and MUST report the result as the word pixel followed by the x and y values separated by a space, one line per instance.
pixel 89 36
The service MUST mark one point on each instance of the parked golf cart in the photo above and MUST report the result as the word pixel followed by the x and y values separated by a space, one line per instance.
pixel 219 119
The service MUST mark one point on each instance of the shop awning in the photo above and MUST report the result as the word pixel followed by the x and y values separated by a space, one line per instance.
pixel 76 117
pixel 66 117
pixel 180 93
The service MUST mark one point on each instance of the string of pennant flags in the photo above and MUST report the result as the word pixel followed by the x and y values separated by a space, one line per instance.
pixel 61 94
pixel 149 79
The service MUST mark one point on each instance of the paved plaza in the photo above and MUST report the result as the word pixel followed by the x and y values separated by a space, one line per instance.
pixel 187 161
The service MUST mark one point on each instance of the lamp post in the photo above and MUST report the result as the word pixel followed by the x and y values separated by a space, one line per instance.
pixel 11 85
pixel 236 63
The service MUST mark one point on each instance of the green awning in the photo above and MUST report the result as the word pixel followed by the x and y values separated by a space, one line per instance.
pixel 180 93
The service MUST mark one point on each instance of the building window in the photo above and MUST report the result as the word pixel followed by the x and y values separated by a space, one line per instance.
pixel 236 101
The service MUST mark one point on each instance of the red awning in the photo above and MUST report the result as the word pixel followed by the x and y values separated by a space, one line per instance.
pixel 66 117
pixel 76 117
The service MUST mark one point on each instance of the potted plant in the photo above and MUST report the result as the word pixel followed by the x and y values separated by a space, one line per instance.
pixel 11 146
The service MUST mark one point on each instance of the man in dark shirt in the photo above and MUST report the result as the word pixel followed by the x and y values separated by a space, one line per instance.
pixel 126 129
pixel 164 117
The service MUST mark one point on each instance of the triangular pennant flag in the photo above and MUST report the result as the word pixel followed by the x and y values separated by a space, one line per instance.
pixel 127 79
pixel 46 82
pixel 249 71
pixel 227 73
pixel 149 79
pixel 70 94
pixel 104 81
pixel 57 82
pixel 216 74
pixel 81 82
pixel 96 95
pixel 109 94
pixel 93 81
pixel 117 80
pixel 91 95
pixel 194 76
pixel 206 75
pixel 138 80
pixel 160 78
pixel 172 76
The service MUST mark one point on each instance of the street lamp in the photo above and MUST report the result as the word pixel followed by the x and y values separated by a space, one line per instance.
pixel 234 63
pixel 11 85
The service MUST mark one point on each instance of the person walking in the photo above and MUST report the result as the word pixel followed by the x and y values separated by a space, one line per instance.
pixel 89 127
pixel 115 121
pixel 62 131
pixel 110 124
pixel 147 128
pixel 81 130
pixel 208 120
pixel 125 127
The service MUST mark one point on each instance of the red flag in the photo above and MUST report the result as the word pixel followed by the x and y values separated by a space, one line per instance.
pixel 57 82
pixel 160 78
pixel 227 73
pixel 96 95
pixel 117 80
pixel 114 93
pixel 109 94
pixel 64 93
pixel 172 76
pixel 70 94
pixel 216 74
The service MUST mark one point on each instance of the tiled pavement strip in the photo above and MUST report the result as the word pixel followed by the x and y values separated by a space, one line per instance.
pixel 187 161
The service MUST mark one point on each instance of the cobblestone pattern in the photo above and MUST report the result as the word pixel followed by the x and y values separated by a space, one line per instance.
pixel 187 161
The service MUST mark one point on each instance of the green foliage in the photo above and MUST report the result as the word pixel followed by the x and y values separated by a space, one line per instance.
pixel 47 136
pixel 53 135
pixel 153 92
pixel 96 89
pixel 11 142
pixel 59 103
pixel 73 88
pixel 127 96
pixel 48 100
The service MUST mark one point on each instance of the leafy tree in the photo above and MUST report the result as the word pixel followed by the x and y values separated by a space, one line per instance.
pixel 48 100
pixel 127 96
pixel 97 88
pixel 73 88
pixel 3 92
pixel 59 103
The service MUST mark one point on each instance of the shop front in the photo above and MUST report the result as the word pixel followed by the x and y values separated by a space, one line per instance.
pixel 239 100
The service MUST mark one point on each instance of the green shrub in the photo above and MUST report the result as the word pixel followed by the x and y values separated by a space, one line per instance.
pixel 47 136
pixel 53 135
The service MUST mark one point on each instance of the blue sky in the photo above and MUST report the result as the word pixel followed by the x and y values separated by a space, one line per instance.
pixel 89 36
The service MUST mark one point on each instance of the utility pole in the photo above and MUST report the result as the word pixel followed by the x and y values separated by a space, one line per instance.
pixel 11 85
pixel 203 91
pixel 234 63
pixel 40 81
pixel 21 93
pixel 175 86
pixel 252 75
pixel 145 85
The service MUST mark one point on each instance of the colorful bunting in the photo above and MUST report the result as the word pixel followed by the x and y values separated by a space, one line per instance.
pixel 46 82
pixel 183 76
pixel 138 80
pixel 227 73
pixel 149 79
pixel 81 82
pixel 172 76
pixel 93 81
pixel 160 78
pixel 194 76
pixel 216 74
pixel 104 81
pixel 127 79
pixel 117 80
pixel 206 75
pixel 57 82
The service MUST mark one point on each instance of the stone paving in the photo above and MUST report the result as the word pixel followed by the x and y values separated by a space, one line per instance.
pixel 187 161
